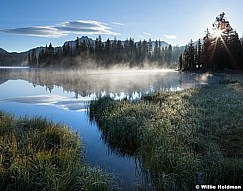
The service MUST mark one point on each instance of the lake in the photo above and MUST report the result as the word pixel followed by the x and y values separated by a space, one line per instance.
pixel 63 96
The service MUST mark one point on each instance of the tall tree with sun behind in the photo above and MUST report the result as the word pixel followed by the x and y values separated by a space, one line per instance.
pixel 221 49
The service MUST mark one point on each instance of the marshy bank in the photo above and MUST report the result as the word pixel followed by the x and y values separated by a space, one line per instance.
pixel 181 139
pixel 36 154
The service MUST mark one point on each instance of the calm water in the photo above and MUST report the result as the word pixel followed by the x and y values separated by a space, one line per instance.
pixel 63 96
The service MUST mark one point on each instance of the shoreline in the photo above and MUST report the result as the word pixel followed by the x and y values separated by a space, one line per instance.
pixel 181 136
pixel 37 154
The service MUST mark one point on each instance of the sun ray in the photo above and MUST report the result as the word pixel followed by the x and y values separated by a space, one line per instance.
pixel 218 33
pixel 232 58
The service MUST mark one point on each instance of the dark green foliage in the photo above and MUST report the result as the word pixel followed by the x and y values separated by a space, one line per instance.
pixel 220 50
pixel 106 54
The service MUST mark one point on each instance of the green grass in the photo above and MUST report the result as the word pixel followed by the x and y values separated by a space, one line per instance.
pixel 182 138
pixel 36 154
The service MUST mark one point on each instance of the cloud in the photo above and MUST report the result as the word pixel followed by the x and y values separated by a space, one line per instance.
pixel 144 34
pixel 62 102
pixel 141 36
pixel 170 36
pixel 85 27
pixel 117 23
pixel 147 33
pixel 40 31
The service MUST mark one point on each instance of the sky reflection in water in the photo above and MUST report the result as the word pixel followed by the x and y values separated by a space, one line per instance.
pixel 63 96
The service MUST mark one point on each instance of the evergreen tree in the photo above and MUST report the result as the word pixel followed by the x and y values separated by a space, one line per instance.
pixel 33 58
pixel 180 62
pixel 83 46
pixel 198 55
pixel 131 52
pixel 42 56
pixel 176 52
pixel 168 55
pixel 145 49
pixel 77 46
pixel 156 51
pixel 150 49
pixel 66 50
pixel 119 52
pixel 108 46
pixel 50 50
pixel 220 50
pixel 126 51
pixel 113 50
pixel 206 50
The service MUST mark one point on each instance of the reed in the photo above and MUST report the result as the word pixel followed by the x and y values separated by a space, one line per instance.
pixel 36 154
pixel 181 138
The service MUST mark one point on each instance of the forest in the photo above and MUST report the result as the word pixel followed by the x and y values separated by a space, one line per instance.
pixel 84 53
pixel 218 50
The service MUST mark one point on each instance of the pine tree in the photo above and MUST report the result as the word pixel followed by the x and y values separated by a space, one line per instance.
pixel 156 51
pixel 150 49
pixel 77 46
pixel 169 54
pixel 119 52
pixel 50 50
pixel 180 62
pixel 33 58
pixel 220 50
pixel 198 55
pixel 108 46
pixel 206 50
pixel 145 49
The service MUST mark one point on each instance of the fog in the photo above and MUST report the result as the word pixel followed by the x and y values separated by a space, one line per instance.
pixel 63 95
pixel 119 82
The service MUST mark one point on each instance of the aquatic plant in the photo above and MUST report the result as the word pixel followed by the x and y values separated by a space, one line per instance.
pixel 36 154
pixel 181 138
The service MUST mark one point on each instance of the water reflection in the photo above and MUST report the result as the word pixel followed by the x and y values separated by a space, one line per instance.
pixel 118 84
pixel 63 95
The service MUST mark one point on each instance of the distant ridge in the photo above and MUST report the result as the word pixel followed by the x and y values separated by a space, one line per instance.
pixel 21 59
pixel 85 39
pixel 2 51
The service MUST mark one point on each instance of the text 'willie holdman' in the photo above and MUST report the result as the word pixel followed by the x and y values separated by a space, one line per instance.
pixel 218 187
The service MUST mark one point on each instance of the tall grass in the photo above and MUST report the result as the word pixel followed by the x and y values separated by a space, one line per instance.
pixel 36 154
pixel 181 138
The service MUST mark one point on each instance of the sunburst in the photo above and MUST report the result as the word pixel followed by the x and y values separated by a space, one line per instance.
pixel 218 33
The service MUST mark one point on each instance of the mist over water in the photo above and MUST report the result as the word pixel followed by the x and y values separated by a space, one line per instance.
pixel 105 82
pixel 63 96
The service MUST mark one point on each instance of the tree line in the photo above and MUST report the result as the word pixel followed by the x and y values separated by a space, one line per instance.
pixel 107 54
pixel 220 49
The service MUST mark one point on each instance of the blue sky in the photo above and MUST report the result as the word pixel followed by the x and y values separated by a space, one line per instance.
pixel 25 24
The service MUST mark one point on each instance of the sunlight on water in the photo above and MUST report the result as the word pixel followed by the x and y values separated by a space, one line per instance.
pixel 14 67
pixel 64 95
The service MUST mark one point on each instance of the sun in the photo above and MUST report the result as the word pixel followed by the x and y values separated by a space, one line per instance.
pixel 218 33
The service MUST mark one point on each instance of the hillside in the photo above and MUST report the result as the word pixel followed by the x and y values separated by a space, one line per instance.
pixel 95 50
pixel 13 58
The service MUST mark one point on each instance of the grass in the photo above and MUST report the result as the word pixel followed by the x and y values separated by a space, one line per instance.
pixel 36 154
pixel 181 138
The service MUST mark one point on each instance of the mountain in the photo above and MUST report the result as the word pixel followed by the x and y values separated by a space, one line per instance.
pixel 2 51
pixel 162 44
pixel 88 40
pixel 13 58
pixel 21 59
pixel 85 39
